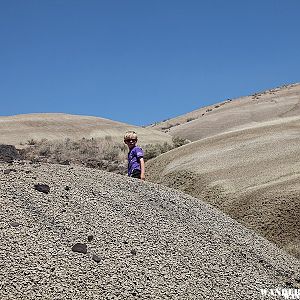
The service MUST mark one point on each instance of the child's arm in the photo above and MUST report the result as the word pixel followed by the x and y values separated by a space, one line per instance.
pixel 142 163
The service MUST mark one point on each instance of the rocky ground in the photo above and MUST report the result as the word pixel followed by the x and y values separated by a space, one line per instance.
pixel 69 232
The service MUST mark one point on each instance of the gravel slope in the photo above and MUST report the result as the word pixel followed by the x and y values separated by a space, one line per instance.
pixel 152 242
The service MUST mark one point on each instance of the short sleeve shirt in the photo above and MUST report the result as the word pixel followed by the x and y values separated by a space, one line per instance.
pixel 134 156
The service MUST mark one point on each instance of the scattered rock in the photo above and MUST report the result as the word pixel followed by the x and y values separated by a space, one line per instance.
pixel 90 238
pixel 96 258
pixel 14 224
pixel 80 248
pixel 44 188
pixel 7 171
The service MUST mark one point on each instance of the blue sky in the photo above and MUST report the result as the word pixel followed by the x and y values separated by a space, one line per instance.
pixel 142 61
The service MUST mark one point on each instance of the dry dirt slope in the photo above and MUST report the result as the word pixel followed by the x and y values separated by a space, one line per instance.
pixel 251 174
pixel 152 242
pixel 21 128
pixel 232 115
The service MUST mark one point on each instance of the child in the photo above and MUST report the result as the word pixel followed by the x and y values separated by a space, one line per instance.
pixel 136 164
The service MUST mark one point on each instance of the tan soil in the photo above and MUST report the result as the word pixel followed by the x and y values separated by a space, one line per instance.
pixel 21 128
pixel 251 174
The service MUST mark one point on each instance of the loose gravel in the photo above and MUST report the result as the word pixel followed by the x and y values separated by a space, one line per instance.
pixel 143 241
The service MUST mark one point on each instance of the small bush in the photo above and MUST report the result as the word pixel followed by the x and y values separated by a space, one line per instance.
pixel 151 151
pixel 178 141
pixel 190 119
pixel 154 150
pixel 31 142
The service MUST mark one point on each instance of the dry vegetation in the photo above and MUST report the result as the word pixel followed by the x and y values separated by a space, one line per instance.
pixel 100 153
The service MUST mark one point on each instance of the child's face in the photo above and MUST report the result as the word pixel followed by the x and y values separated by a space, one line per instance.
pixel 130 143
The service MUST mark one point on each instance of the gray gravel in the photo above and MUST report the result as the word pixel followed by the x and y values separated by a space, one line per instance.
pixel 144 241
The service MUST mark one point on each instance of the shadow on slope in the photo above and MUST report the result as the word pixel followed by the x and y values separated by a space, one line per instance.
pixel 253 175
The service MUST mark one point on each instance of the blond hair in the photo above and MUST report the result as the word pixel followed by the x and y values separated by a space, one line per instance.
pixel 130 135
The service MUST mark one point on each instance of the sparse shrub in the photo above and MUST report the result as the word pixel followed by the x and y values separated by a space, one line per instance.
pixel 190 119
pixel 108 138
pixel 154 150
pixel 96 153
pixel 101 153
pixel 178 141
pixel 31 142
pixel 112 154
pixel 151 151
pixel 167 126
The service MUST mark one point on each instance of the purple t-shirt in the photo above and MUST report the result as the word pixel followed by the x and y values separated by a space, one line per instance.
pixel 134 156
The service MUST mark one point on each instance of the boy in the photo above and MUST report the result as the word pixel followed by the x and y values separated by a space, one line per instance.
pixel 136 164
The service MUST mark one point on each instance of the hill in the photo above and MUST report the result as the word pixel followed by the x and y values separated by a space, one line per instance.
pixel 234 114
pixel 251 174
pixel 22 128
pixel 138 241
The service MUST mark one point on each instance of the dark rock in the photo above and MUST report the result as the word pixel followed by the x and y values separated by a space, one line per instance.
pixel 133 252
pixel 65 162
pixel 14 224
pixel 96 258
pixel 28 171
pixel 67 188
pixel 44 188
pixel 7 171
pixel 52 269
pixel 9 153
pixel 90 238
pixel 80 248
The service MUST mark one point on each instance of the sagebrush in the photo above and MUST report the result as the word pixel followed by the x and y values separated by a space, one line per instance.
pixel 101 153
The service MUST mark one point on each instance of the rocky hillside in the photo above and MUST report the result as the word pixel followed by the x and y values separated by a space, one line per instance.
pixel 76 233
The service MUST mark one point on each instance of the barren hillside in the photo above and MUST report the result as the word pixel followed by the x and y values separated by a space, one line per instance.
pixel 97 235
pixel 252 174
pixel 234 114
pixel 21 128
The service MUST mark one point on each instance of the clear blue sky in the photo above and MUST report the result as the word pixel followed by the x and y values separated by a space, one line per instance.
pixel 141 61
